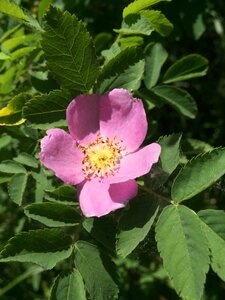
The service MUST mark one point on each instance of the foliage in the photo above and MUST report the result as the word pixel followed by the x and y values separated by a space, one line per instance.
pixel 169 54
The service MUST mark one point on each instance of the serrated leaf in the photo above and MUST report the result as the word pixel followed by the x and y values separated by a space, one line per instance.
pixel 214 225
pixel 96 270
pixel 112 52
pixel 53 214
pixel 68 286
pixel 190 66
pixel 43 7
pixel 27 160
pixel 135 224
pixel 12 113
pixel 198 174
pixel 170 152
pixel 155 56
pixel 64 194
pixel 144 23
pixel 178 98
pixel 103 230
pixel 12 9
pixel 41 184
pixel 193 146
pixel 43 247
pixel 184 249
pixel 17 186
pixel 138 5
pixel 123 71
pixel 135 24
pixel 11 167
pixel 158 21
pixel 69 51
pixel 47 111
pixel 130 41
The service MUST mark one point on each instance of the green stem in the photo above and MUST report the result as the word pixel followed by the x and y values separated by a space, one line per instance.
pixel 17 280
pixel 151 192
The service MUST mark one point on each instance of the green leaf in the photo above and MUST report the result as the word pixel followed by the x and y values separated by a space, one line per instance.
pixel 27 160
pixel 198 174
pixel 178 98
pixel 130 41
pixel 47 111
pixel 68 286
pixel 102 40
pixel 155 56
pixel 14 42
pixel 135 224
pixel 158 21
pixel 22 52
pixel 214 224
pixel 144 23
pixel 112 52
pixel 190 66
pixel 170 152
pixel 95 269
pixel 69 51
pixel 123 71
pixel 151 99
pixel 193 146
pixel 64 194
pixel 53 214
pixel 4 178
pixel 3 56
pixel 183 247
pixel 43 247
pixel 103 230
pixel 5 140
pixel 9 166
pixel 138 5
pixel 12 113
pixel 12 9
pixel 43 7
pixel 41 183
pixel 17 186
pixel 135 24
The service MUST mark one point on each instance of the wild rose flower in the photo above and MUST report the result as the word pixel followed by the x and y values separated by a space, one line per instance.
pixel 101 153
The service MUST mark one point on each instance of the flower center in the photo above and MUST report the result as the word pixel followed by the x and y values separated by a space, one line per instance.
pixel 101 157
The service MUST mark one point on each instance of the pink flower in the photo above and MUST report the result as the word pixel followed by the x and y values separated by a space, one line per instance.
pixel 101 154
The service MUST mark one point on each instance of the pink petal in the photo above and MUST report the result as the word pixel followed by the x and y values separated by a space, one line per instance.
pixel 123 116
pixel 123 191
pixel 136 164
pixel 60 154
pixel 98 198
pixel 82 116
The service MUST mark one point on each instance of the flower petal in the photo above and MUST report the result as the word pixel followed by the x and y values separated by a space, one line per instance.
pixel 136 164
pixel 98 198
pixel 60 154
pixel 82 116
pixel 123 191
pixel 123 116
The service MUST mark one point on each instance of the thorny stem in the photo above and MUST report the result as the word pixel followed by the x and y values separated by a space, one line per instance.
pixel 148 190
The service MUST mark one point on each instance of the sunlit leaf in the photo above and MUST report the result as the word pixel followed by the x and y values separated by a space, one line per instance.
pixel 184 249
pixel 198 174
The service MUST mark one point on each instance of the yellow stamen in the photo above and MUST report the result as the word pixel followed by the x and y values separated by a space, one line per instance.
pixel 101 157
